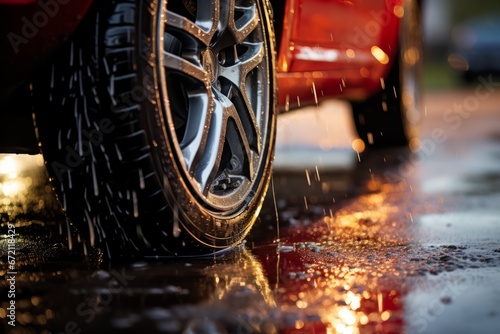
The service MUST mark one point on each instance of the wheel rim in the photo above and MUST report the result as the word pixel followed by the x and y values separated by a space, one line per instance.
pixel 214 81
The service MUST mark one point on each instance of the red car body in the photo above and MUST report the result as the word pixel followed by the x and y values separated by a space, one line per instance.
pixel 333 48
pixel 327 48
pixel 33 30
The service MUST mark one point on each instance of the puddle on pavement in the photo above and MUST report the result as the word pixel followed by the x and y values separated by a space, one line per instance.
pixel 362 263
pixel 432 306
pixel 460 227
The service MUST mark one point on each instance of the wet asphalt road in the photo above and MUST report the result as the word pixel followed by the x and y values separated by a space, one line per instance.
pixel 388 241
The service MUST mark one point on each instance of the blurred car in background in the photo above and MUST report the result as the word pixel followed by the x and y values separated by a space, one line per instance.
pixel 476 47
pixel 157 119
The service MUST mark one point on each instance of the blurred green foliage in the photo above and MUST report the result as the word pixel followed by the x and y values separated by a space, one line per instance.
pixel 462 10
pixel 440 76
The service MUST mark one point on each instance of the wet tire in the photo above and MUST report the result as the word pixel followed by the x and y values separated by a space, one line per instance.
pixel 157 124
pixel 391 116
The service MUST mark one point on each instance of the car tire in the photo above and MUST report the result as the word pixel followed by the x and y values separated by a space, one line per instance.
pixel 157 124
pixel 391 116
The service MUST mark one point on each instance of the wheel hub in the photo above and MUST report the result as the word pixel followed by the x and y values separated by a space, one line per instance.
pixel 209 63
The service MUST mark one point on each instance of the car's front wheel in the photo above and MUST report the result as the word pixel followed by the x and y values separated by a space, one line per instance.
pixel 157 124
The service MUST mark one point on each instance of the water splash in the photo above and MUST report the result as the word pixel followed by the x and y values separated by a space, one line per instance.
pixel 176 229
pixel 275 210
pixel 135 203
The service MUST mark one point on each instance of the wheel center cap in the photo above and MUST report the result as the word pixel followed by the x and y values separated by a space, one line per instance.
pixel 209 63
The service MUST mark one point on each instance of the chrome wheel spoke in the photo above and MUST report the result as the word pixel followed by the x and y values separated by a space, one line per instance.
pixel 205 25
pixel 208 17
pixel 207 167
pixel 195 137
pixel 237 137
pixel 245 119
pixel 238 71
pixel 237 74
pixel 247 21
pixel 175 63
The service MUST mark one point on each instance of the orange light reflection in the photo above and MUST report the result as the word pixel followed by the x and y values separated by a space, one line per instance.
pixel 342 268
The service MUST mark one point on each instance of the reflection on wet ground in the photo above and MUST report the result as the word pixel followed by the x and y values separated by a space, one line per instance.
pixel 402 242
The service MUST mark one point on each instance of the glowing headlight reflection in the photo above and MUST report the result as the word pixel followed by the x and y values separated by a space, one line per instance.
pixel 11 188
pixel 12 182
pixel 380 55
pixel 8 167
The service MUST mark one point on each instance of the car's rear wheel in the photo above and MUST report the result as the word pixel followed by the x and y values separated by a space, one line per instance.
pixel 157 124
pixel 390 117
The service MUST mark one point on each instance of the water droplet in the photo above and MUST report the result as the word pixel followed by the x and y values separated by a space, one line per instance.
pixel 286 249
pixel 101 275
pixel 176 229
pixel 140 265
